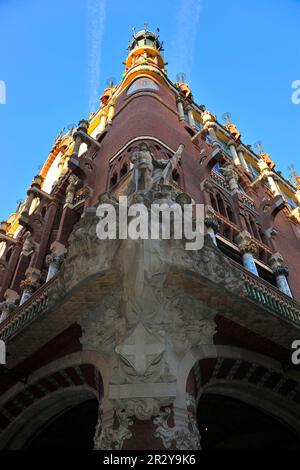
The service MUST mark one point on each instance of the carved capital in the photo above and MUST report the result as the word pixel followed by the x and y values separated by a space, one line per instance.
pixel 32 280
pixel 277 265
pixel 245 243
pixel 181 437
pixel 29 245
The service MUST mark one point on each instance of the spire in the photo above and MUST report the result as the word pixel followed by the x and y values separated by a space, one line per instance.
pixel 145 38
pixel 295 177
pixel 145 50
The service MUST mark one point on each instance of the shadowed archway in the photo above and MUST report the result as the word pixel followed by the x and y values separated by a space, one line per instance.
pixel 228 423
pixel 70 430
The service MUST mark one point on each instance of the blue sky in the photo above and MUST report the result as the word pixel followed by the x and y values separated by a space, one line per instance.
pixel 239 56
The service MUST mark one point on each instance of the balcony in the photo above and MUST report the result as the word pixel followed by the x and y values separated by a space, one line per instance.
pixel 269 297
pixel 229 230
pixel 259 292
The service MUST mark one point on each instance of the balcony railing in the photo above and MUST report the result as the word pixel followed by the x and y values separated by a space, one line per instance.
pixel 269 297
pixel 247 201
pixel 24 314
pixel 219 180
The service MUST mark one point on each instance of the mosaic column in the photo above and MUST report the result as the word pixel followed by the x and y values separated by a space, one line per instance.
pixel 242 158
pixel 211 224
pixel 83 126
pixel 281 272
pixel 191 117
pixel 55 259
pixel 180 109
pixel 9 304
pixel 232 146
pixel 268 175
pixel 248 249
pixel 30 284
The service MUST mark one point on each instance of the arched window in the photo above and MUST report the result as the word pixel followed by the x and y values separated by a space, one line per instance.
pixel 8 255
pixel 254 228
pixel 113 179
pixel 142 83
pixel 44 210
pixel 217 168
pixel 124 170
pixel 221 205
pixel 230 215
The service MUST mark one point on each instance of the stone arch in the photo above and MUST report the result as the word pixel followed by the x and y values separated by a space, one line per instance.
pixel 282 401
pixel 50 392
pixel 32 421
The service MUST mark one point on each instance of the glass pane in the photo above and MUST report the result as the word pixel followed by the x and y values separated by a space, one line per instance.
pixel 142 84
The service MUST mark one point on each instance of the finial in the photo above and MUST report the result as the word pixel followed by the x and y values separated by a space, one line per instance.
pixel 259 146
pixel 111 82
pixel 264 155
pixel 19 203
pixel 294 177
pixel 58 137
pixel 226 117
pixel 232 128
pixel 146 26
pixel 70 128
pixel 180 77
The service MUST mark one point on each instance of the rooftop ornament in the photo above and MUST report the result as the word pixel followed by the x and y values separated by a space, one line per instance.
pixel 232 129
pixel 264 155
pixel 183 87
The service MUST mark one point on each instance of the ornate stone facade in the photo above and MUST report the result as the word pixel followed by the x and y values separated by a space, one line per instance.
pixel 144 326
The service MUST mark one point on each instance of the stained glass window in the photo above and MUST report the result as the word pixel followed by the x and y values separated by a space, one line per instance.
pixel 142 83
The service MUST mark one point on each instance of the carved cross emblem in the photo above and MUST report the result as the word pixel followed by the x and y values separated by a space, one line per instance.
pixel 141 349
